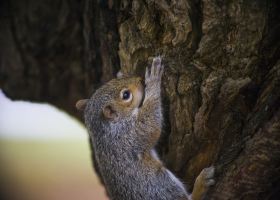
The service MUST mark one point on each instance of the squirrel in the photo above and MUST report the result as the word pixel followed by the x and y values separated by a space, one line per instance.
pixel 124 121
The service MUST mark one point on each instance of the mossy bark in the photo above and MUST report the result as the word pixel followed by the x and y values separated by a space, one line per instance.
pixel 221 86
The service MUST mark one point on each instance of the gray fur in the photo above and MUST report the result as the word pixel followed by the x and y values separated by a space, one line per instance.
pixel 119 144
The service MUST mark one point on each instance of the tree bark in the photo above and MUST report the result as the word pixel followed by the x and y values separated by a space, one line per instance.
pixel 221 88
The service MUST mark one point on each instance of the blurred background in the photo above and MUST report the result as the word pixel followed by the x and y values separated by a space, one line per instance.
pixel 44 154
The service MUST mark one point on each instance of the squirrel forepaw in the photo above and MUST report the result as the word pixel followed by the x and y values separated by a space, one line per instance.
pixel 203 182
pixel 208 174
pixel 155 74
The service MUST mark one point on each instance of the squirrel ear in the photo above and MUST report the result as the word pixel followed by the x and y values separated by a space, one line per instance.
pixel 109 112
pixel 81 104
pixel 120 74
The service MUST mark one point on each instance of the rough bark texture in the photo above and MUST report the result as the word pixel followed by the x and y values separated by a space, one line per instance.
pixel 221 85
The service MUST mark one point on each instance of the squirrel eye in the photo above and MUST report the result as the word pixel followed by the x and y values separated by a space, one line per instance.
pixel 126 95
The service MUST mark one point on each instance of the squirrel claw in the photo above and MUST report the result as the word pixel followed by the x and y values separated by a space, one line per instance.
pixel 210 182
pixel 209 172
pixel 157 68
pixel 209 175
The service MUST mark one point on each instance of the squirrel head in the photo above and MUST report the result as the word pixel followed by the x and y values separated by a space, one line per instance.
pixel 122 96
pixel 116 99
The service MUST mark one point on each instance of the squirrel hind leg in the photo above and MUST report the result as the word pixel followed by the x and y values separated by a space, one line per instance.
pixel 202 183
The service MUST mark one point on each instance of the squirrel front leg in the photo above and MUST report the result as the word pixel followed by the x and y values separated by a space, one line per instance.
pixel 150 114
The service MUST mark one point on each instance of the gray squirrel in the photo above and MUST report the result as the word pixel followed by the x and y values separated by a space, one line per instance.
pixel 124 121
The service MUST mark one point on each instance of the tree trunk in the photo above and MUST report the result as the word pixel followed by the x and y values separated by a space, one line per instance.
pixel 221 88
